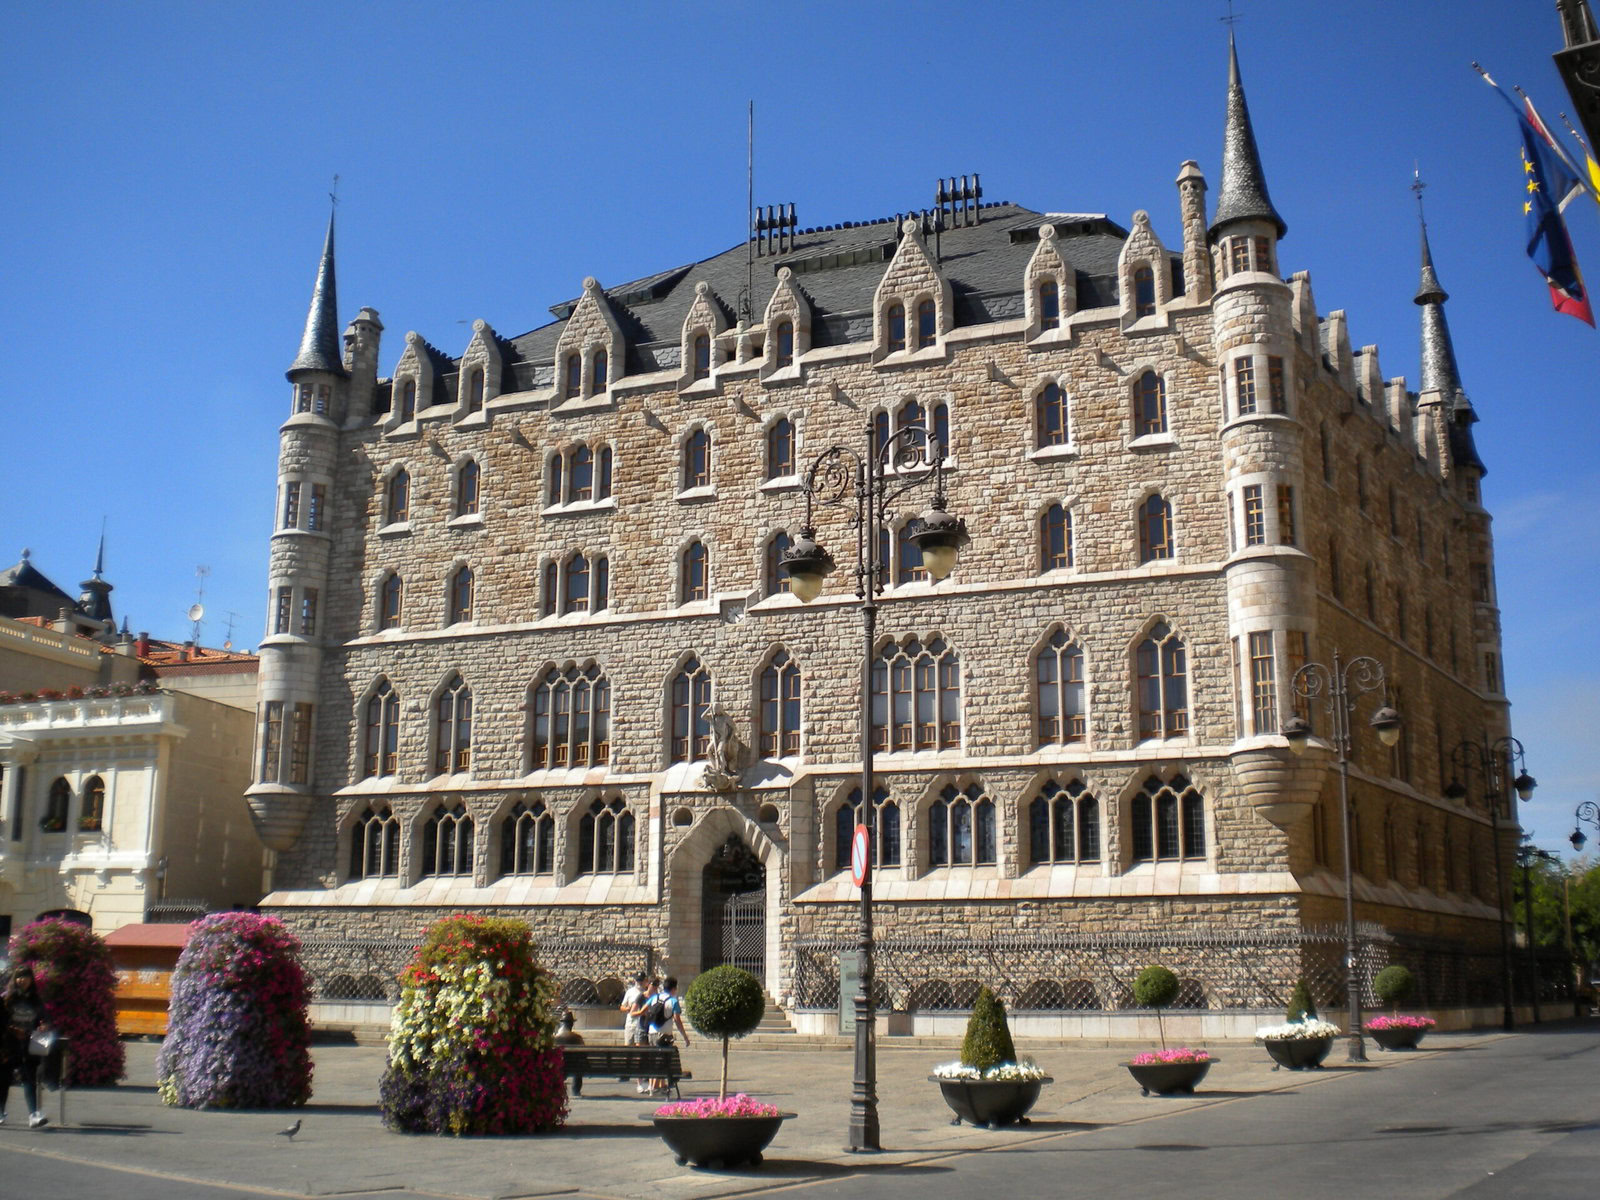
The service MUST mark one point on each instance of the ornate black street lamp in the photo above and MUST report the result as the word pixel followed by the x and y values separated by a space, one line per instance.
pixel 1587 811
pixel 864 485
pixel 1491 761
pixel 1340 685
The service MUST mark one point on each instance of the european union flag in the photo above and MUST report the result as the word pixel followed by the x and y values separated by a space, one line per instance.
pixel 1547 185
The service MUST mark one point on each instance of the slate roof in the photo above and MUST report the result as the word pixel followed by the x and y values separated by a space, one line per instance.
pixel 25 575
pixel 838 268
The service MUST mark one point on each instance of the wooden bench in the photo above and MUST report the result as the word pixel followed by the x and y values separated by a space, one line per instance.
pixel 624 1062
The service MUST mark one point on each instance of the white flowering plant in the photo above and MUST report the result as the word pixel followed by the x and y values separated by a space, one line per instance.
pixel 1290 1031
pixel 1026 1071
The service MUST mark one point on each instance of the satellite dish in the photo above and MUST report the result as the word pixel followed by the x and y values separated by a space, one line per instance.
pixel 196 611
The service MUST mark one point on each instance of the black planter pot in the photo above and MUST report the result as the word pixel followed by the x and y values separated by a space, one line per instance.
pixel 990 1102
pixel 718 1141
pixel 1396 1039
pixel 1167 1079
pixel 1299 1054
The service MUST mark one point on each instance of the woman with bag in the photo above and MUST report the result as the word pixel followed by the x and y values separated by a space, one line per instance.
pixel 24 1023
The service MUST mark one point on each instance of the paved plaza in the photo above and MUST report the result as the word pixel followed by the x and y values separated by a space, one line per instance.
pixel 123 1142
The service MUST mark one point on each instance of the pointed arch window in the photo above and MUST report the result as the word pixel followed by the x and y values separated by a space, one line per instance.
pixel 381 744
pixel 1155 529
pixel 58 800
pixel 961 828
pixel 452 740
pixel 883 820
pixel 895 320
pixel 690 716
pixel 1058 672
pixel 605 838
pixel 1149 405
pixel 93 814
pixel 447 841
pixel 1163 685
pixel 467 489
pixel 1049 305
pixel 702 356
pixel 397 499
pixel 528 840
pixel 1050 417
pixel 1055 538
pixel 375 845
pixel 777 579
pixel 780 449
pixel 598 367
pixel 916 696
pixel 783 349
pixel 575 597
pixel 697 460
pixel 1064 825
pixel 694 581
pixel 572 386
pixel 408 400
pixel 927 325
pixel 780 706
pixel 475 390
pixel 1144 291
pixel 570 718
pixel 1168 821
pixel 460 592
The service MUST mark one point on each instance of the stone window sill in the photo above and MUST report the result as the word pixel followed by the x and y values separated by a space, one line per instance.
pixel 470 521
pixel 1153 441
pixel 395 529
pixel 1066 450
pixel 696 494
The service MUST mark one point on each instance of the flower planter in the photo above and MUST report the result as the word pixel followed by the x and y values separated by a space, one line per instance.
pixel 1167 1079
pixel 1397 1037
pixel 990 1102
pixel 1299 1054
pixel 718 1141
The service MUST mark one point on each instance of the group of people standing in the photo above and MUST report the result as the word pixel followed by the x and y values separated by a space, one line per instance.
pixel 21 1016
pixel 651 1008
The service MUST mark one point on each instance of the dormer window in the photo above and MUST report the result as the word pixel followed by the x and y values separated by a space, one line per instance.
pixel 475 389
pixel 927 327
pixel 597 373
pixel 702 356
pixel 897 327
pixel 1144 291
pixel 1049 305
pixel 783 339
pixel 573 387
pixel 408 400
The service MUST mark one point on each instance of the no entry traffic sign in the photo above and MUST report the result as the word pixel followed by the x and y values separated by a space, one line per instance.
pixel 860 855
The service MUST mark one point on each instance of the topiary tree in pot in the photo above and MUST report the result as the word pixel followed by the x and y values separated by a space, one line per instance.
pixel 725 1002
pixel 1394 984
pixel 988 1039
pixel 1156 987
pixel 1301 1006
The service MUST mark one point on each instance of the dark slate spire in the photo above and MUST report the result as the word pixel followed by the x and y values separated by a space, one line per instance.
pixel 1243 195
pixel 319 345
pixel 1439 371
pixel 95 602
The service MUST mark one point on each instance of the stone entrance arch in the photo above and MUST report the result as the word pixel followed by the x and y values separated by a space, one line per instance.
pixel 690 867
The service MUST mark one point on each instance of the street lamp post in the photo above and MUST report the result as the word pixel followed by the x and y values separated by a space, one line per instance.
pixel 1339 686
pixel 1490 760
pixel 1587 811
pixel 864 485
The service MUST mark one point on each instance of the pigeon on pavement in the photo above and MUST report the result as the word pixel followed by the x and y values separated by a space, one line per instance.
pixel 290 1132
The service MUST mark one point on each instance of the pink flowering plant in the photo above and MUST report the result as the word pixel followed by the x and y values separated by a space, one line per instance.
pixel 1400 1022
pixel 1178 1054
pixel 77 983
pixel 737 1105
pixel 470 1043
pixel 237 1030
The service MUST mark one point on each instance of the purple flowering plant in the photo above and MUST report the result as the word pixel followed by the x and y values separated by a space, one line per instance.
pixel 72 965
pixel 237 1030
pixel 707 1107
pixel 1400 1022
pixel 1178 1054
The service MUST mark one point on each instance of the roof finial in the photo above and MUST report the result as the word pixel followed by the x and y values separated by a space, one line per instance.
pixel 100 554
pixel 1428 291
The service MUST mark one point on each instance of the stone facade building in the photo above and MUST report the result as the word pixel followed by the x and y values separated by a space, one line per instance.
pixel 530 649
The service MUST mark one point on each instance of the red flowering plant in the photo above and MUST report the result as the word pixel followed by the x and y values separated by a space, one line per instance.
pixel 77 983
pixel 470 1043
pixel 237 1033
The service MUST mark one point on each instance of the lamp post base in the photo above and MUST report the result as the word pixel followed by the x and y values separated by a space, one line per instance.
pixel 1356 1049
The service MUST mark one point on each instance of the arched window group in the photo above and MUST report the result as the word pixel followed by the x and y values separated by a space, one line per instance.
pixel 961 830
pixel 1058 672
pixel 581 475
pixel 375 845
pixel 605 838
pixel 934 424
pixel 381 743
pixel 1163 684
pixel 447 841
pixel 570 718
pixel 916 696
pixel 1064 825
pixel 576 584
pixel 1167 821
pixel 882 822
pixel 528 840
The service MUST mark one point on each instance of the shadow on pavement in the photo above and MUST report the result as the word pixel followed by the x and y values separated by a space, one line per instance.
pixel 796 1168
pixel 106 1129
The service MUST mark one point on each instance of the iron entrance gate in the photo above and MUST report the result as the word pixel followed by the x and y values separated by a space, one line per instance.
pixel 735 931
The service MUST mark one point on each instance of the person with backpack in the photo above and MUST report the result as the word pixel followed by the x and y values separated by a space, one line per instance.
pixel 663 1011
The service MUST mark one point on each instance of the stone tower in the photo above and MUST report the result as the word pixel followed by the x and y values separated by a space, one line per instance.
pixel 291 652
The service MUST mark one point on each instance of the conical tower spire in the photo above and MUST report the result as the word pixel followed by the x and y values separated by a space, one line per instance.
pixel 1439 371
pixel 1243 194
pixel 95 601
pixel 319 345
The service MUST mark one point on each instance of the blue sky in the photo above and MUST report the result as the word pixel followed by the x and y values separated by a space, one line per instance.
pixel 168 168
